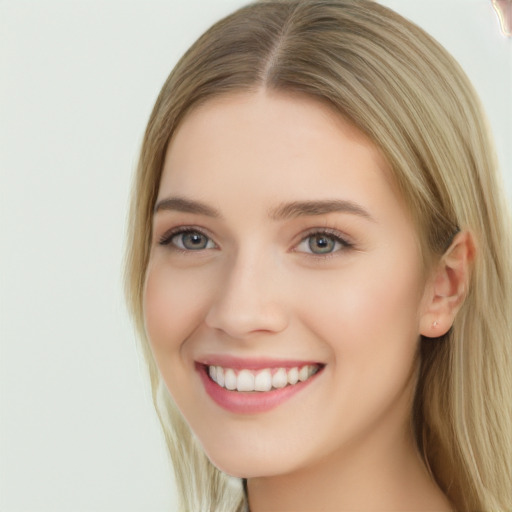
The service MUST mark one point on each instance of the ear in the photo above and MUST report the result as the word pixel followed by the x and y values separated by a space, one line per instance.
pixel 447 287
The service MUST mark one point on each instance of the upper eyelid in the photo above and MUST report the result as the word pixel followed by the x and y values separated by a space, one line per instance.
pixel 335 233
pixel 347 245
pixel 178 230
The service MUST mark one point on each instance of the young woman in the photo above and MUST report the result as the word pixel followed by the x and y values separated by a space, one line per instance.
pixel 319 267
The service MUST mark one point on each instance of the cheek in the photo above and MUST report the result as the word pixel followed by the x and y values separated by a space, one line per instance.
pixel 369 318
pixel 173 305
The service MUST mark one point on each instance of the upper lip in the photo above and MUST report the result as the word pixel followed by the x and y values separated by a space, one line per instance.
pixel 258 363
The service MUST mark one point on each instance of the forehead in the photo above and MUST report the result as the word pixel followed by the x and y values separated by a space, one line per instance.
pixel 263 144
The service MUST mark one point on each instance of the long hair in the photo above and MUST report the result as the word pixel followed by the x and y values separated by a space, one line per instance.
pixel 410 97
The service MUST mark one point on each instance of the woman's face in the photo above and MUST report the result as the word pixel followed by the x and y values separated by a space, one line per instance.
pixel 284 262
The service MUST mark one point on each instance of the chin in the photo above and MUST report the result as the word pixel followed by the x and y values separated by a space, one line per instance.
pixel 247 464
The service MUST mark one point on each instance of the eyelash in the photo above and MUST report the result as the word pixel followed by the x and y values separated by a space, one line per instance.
pixel 331 234
pixel 334 235
pixel 166 239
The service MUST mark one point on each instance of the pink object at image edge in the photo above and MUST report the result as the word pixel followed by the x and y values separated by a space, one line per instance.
pixel 503 9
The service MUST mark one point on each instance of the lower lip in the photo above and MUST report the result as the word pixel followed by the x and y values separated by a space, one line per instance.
pixel 249 402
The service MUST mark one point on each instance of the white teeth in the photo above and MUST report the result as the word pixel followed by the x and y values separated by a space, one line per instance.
pixel 245 381
pixel 263 381
pixel 220 376
pixel 230 379
pixel 260 380
pixel 279 379
pixel 303 373
pixel 293 376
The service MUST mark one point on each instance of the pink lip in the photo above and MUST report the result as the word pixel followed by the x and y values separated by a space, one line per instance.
pixel 237 363
pixel 250 402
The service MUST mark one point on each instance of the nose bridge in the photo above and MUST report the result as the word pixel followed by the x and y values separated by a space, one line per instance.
pixel 248 298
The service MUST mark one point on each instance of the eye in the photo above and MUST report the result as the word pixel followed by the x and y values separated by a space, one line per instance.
pixel 321 243
pixel 188 240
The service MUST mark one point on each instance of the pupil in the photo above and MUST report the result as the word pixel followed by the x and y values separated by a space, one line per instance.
pixel 194 241
pixel 321 244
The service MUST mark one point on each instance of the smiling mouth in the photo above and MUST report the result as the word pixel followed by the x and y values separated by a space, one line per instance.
pixel 263 380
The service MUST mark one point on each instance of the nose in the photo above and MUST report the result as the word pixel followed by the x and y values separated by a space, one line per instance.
pixel 250 299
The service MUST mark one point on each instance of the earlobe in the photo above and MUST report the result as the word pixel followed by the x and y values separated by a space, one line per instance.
pixel 448 286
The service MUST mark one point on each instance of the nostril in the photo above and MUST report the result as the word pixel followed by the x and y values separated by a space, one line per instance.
pixel 239 316
pixel 240 321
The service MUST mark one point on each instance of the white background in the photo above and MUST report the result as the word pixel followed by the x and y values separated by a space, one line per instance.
pixel 78 79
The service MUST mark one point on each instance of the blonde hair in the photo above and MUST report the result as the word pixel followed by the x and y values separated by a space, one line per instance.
pixel 403 90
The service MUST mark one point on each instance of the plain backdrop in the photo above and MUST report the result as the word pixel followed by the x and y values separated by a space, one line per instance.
pixel 78 79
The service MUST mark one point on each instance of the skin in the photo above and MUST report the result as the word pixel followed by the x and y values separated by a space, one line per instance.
pixel 257 290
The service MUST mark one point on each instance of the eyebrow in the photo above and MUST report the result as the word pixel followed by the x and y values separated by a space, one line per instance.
pixel 306 208
pixel 181 204
pixel 283 212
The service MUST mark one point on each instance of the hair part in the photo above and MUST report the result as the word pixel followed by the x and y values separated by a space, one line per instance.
pixel 398 86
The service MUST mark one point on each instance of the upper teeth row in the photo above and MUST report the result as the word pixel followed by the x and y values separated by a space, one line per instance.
pixel 261 380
